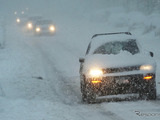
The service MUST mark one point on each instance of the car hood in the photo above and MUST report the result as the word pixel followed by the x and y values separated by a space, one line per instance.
pixel 116 61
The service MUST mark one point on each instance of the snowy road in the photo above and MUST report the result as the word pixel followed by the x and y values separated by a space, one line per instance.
pixel 47 91
pixel 39 77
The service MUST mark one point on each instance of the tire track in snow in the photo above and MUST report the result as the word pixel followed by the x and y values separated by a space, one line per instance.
pixel 109 114
pixel 62 89
pixel 49 68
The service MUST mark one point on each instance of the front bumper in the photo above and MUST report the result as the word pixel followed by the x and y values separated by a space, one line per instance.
pixel 126 84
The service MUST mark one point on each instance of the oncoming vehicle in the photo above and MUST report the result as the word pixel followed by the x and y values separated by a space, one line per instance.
pixel 30 24
pixel 115 64
pixel 44 27
pixel 21 20
pixel 21 17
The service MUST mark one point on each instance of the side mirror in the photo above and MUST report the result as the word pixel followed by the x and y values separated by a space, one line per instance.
pixel 81 60
pixel 151 54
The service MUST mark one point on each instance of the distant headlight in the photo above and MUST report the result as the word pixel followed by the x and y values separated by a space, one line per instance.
pixel 29 25
pixel 22 12
pixel 146 67
pixel 18 20
pixel 95 72
pixel 38 29
pixel 52 28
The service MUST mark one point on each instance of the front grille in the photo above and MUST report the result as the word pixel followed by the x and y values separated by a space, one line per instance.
pixel 121 69
pixel 115 85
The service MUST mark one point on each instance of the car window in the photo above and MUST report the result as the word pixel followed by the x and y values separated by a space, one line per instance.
pixel 117 46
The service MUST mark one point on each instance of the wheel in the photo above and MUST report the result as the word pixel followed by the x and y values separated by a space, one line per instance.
pixel 84 96
pixel 88 94
pixel 91 97
pixel 148 93
pixel 151 95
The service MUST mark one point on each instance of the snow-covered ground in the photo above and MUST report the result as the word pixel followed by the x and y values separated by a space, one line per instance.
pixel 39 76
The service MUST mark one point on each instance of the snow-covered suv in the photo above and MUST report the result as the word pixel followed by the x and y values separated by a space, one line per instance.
pixel 116 64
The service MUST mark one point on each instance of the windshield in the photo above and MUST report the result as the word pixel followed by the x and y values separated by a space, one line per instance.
pixel 117 46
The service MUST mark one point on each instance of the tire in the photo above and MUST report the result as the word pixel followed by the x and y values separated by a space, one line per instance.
pixel 88 94
pixel 91 97
pixel 84 96
pixel 151 95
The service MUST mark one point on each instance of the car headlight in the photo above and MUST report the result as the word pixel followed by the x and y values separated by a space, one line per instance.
pixel 146 67
pixel 18 20
pixel 52 28
pixel 22 12
pixel 95 72
pixel 38 29
pixel 29 25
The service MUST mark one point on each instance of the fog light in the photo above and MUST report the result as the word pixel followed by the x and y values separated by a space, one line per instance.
pixel 148 77
pixel 96 81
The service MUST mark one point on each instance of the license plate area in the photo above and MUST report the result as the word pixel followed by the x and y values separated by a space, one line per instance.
pixel 122 80
pixel 120 84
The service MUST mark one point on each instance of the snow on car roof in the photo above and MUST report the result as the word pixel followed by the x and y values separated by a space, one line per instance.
pixel 99 40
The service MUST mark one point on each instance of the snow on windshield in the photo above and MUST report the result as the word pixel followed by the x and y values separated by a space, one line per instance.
pixel 100 41
pixel 117 46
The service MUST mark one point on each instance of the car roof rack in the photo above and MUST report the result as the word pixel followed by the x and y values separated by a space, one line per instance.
pixel 127 33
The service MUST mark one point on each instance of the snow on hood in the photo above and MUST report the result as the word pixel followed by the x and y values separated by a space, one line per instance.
pixel 123 59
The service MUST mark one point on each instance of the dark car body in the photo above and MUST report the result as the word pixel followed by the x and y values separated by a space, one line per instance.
pixel 116 64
